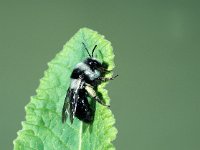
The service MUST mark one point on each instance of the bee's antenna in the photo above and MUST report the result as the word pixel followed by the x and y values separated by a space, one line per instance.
pixel 93 49
pixel 86 49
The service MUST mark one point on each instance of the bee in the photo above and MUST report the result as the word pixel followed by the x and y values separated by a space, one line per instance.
pixel 85 78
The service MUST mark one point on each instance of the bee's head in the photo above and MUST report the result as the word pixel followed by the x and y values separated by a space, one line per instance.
pixel 93 63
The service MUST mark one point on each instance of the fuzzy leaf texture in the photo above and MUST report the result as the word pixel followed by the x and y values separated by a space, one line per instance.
pixel 43 128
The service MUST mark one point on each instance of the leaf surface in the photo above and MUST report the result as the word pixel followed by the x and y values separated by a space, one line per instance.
pixel 43 129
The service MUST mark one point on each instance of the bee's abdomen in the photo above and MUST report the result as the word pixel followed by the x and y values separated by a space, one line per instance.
pixel 84 111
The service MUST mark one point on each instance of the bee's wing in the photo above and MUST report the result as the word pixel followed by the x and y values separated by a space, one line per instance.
pixel 66 106
pixel 70 104
pixel 73 104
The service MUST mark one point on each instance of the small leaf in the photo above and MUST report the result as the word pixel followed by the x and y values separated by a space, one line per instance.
pixel 43 129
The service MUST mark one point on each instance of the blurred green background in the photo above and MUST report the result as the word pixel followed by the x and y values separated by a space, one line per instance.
pixel 156 98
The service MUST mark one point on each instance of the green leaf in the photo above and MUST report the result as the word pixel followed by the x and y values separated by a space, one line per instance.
pixel 43 129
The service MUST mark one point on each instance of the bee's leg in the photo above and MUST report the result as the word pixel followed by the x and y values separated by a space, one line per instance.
pixel 100 101
pixel 93 94
pixel 106 79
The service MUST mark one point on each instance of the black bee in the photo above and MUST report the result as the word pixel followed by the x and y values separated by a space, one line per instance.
pixel 85 78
